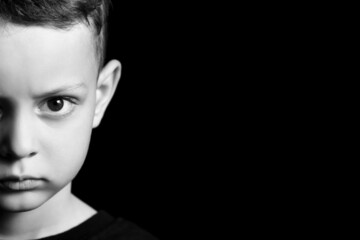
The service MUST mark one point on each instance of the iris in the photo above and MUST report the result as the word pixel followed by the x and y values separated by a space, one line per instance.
pixel 56 104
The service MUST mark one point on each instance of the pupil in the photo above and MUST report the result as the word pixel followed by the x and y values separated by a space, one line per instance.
pixel 56 105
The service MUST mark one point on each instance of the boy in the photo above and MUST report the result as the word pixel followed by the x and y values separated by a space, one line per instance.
pixel 54 90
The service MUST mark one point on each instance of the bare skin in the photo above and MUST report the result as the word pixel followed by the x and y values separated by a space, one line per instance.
pixel 64 211
pixel 51 97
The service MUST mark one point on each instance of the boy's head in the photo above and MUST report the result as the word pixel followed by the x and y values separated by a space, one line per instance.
pixel 61 14
pixel 52 95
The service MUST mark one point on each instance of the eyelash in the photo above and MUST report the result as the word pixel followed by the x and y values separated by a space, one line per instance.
pixel 68 102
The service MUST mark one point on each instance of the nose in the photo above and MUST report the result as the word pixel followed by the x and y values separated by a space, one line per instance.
pixel 17 139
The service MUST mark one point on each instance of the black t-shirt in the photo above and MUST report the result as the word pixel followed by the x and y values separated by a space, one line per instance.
pixel 102 226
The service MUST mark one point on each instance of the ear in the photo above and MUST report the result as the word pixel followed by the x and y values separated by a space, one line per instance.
pixel 105 89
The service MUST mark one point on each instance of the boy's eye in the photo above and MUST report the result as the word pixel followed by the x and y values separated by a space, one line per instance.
pixel 57 106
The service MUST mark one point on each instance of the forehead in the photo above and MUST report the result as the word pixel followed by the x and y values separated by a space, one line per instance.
pixel 38 56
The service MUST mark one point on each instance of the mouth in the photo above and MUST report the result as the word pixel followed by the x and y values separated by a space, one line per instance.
pixel 22 183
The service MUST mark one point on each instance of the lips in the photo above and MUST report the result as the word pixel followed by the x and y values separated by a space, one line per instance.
pixel 23 183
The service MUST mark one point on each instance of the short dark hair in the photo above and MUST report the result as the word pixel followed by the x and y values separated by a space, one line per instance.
pixel 60 14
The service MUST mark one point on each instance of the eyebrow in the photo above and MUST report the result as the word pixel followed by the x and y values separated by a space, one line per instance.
pixel 60 90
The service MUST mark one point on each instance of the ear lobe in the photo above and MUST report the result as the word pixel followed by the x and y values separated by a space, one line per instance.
pixel 105 89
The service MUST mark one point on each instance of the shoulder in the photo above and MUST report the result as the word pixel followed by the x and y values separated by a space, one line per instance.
pixel 121 229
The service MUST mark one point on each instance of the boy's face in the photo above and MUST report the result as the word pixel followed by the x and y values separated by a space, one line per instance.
pixel 47 103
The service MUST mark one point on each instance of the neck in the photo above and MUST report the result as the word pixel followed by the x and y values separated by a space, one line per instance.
pixel 60 213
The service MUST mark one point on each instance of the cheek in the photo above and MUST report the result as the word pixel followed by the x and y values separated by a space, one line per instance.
pixel 68 145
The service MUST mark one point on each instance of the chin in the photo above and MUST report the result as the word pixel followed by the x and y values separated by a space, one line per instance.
pixel 21 201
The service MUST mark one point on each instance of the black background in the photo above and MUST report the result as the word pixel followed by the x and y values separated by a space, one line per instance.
pixel 136 161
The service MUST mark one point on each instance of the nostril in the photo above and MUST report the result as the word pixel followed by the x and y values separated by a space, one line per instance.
pixel 10 155
pixel 32 154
